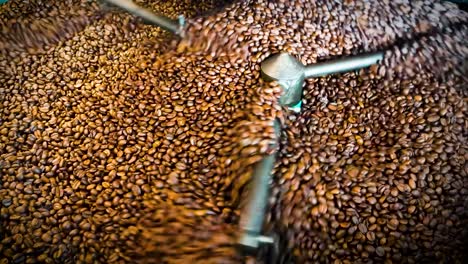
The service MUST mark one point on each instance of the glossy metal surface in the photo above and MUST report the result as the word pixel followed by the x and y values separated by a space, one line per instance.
pixel 253 216
pixel 173 26
pixel 291 73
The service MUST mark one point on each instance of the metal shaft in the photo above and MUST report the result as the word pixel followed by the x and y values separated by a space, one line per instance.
pixel 252 218
pixel 342 65
pixel 156 19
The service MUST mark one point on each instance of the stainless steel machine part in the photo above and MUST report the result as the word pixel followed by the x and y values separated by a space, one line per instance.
pixel 253 216
pixel 173 26
pixel 291 73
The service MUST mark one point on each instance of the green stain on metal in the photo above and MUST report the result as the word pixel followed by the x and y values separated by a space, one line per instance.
pixel 296 108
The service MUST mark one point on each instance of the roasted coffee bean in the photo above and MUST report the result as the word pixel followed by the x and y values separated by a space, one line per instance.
pixel 120 143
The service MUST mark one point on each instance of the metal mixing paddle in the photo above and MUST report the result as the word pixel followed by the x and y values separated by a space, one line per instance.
pixel 290 74
pixel 174 26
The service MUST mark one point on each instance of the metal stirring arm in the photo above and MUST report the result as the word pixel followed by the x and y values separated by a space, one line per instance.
pixel 291 73
pixel 253 216
pixel 173 26
pixel 342 65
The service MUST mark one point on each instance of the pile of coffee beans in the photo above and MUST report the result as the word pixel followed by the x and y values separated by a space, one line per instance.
pixel 30 26
pixel 120 143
